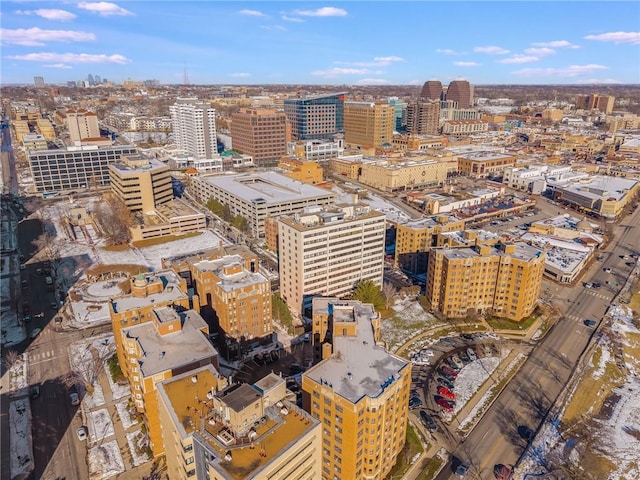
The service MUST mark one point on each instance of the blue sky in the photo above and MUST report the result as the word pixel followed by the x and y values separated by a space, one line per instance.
pixel 301 42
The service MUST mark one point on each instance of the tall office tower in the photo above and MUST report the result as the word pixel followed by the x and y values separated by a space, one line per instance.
pixel 38 82
pixel 82 124
pixel 90 80
pixel 369 124
pixel 97 79
pixel 142 184
pixel 317 117
pixel 431 90
pixel 358 392
pixel 399 113
pixel 327 251
pixel 604 103
pixel 194 127
pixel 261 133
pixel 503 280
pixel 460 91
pixel 423 117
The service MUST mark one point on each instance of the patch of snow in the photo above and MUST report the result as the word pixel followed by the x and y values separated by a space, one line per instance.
pixel 137 442
pixel 96 398
pixel 105 461
pixel 89 314
pixel 125 417
pixel 471 377
pixel 18 376
pixel 408 320
pixel 20 441
pixel 605 358
pixel 153 255
pixel 13 332
pixel 133 256
pixel 100 425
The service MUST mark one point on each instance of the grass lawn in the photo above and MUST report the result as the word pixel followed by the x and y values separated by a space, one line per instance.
pixel 434 466
pixel 160 240
pixel 412 447
pixel 116 248
pixel 504 324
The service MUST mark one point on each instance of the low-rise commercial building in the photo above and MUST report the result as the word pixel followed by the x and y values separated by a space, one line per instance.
pixel 480 164
pixel 175 217
pixel 241 432
pixel 304 171
pixel 358 392
pixel 317 150
pixel 34 142
pixel 462 128
pixel 142 184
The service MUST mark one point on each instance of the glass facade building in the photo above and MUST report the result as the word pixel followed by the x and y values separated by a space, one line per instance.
pixel 317 117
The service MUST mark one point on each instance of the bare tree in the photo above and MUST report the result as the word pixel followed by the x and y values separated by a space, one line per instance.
pixel 389 293
pixel 11 358
pixel 47 246
pixel 114 219
pixel 85 371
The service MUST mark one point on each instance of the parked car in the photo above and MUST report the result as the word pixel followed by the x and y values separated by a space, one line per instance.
pixel 457 361
pixel 526 432
pixel 445 382
pixel 415 402
pixel 35 391
pixel 82 433
pixel 445 392
pixel 588 285
pixel 448 371
pixel 465 358
pixel 590 323
pixel 472 354
pixel 74 398
pixel 630 264
pixel 428 421
pixel 35 332
pixel 608 270
pixel 461 470
pixel 445 404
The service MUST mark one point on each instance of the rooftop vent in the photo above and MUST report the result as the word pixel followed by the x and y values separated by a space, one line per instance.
pixel 194 379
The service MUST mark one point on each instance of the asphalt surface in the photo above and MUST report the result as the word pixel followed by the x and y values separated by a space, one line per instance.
pixel 533 390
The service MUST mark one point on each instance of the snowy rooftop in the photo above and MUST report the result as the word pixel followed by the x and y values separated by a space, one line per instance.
pixel 432 221
pixel 171 291
pixel 564 255
pixel 358 367
pixel 522 252
pixel 266 187
pixel 600 187
pixel 231 281
pixel 482 235
pixel 167 352
pixel 564 221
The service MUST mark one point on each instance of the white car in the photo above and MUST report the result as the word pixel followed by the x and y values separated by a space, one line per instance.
pixel 82 433
pixel 608 270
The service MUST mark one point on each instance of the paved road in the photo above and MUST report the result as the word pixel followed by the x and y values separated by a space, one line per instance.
pixel 533 390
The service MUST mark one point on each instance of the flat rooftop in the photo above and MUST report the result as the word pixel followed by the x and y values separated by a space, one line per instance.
pixel 358 367
pixel 276 432
pixel 523 252
pixel 482 235
pixel 173 350
pixel 267 188
pixel 230 282
pixel 432 221
pixel 171 291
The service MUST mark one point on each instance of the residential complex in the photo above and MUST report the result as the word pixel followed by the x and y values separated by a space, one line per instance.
pixel 423 117
pixel 74 168
pixel 328 251
pixel 604 103
pixel 502 280
pixel 82 125
pixel 358 392
pixel 257 196
pixel 461 92
pixel 315 117
pixel 142 184
pixel 368 123
pixel 194 127
pixel 241 432
pixel 260 133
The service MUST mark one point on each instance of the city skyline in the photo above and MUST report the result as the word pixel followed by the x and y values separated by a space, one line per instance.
pixel 341 43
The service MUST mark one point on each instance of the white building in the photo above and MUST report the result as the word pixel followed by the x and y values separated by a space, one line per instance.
pixel 327 251
pixel 194 127
pixel 316 150
pixel 533 177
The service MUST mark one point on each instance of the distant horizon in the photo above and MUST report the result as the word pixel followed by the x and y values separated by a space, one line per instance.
pixel 307 43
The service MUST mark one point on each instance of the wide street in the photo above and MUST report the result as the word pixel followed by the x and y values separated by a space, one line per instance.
pixel 528 397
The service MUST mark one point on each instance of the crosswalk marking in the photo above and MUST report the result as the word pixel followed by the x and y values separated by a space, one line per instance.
pixel 599 295
pixel 41 356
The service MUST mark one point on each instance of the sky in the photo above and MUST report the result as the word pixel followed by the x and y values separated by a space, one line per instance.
pixel 329 43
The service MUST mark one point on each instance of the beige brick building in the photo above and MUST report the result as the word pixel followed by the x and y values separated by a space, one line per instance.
pixel 368 124
pixel 142 184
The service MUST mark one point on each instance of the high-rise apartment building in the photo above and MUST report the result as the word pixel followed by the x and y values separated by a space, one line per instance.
pixel 261 133
pixel 238 432
pixel 502 280
pixel 240 296
pixel 82 125
pixel 358 392
pixel 38 82
pixel 460 91
pixel 369 124
pixel 315 117
pixel 431 90
pixel 604 103
pixel 423 117
pixel 327 251
pixel 141 183
pixel 194 127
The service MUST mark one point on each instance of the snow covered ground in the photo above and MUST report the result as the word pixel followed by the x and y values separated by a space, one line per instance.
pixel 137 446
pixel 100 425
pixel 117 391
pixel 153 255
pixel 125 417
pixel 105 461
pixel 408 320
pixel 96 399
pixel 21 462
pixel 471 378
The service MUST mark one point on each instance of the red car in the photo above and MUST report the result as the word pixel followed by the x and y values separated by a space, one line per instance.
pixel 445 404
pixel 501 472
pixel 449 371
pixel 445 392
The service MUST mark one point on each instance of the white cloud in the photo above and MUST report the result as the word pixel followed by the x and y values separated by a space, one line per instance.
pixel 273 28
pixel 72 58
pixel 377 62
pixel 373 81
pixel 571 71
pixel 59 65
pixel 38 37
pixel 415 82
pixel 292 19
pixel 491 50
pixel 520 59
pixel 555 44
pixel 50 14
pixel 617 37
pixel 338 71
pixel 252 13
pixel 540 52
pixel 104 9
pixel 322 12
pixel 591 81
pixel 240 75
pixel 448 51
pixel 467 64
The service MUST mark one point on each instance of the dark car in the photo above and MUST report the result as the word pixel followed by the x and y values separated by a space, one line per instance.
pixel 526 433
pixel 501 472
pixel 597 285
pixel 590 323
pixel 445 369
pixel 415 402
pixel 295 369
pixel 428 420
pixel 445 382
pixel 630 264
pixel 461 470
pixel 444 403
